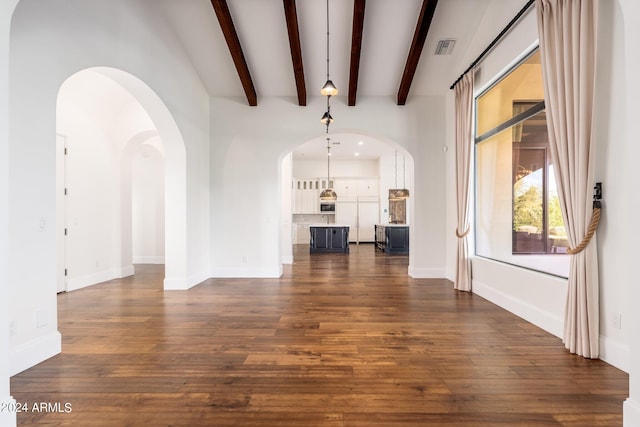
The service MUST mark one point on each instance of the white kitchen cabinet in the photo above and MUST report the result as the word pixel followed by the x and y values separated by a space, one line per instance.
pixel 361 216
pixel 368 187
pixel 347 214
pixel 349 189
pixel 346 189
pixel 368 217
pixel 302 234
pixel 306 196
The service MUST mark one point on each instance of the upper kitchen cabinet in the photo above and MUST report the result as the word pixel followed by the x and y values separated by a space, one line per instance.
pixel 306 196
pixel 368 188
pixel 350 189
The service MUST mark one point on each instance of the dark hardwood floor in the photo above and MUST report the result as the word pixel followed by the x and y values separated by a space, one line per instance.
pixel 339 340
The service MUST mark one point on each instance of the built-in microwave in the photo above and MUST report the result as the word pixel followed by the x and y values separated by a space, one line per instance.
pixel 327 207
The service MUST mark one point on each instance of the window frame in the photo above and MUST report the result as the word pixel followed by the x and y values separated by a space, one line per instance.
pixel 513 121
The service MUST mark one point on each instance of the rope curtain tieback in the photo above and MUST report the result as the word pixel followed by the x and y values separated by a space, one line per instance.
pixel 595 220
pixel 460 236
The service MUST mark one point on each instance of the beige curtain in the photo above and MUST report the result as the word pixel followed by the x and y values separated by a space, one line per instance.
pixel 464 146
pixel 567 31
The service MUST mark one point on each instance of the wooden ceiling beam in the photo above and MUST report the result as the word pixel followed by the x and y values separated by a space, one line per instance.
pixel 419 37
pixel 231 36
pixel 291 16
pixel 356 48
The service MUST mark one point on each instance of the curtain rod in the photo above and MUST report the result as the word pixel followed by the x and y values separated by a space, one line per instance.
pixel 495 41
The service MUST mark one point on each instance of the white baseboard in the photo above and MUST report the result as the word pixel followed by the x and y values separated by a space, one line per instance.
pixel 175 284
pixel 126 271
pixel 148 259
pixel 184 283
pixel 75 283
pixel 33 352
pixel 631 413
pixel 543 319
pixel 426 273
pixel 615 353
pixel 8 418
pixel 287 259
pixel 253 273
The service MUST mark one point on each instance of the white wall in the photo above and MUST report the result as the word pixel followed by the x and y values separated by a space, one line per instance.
pixel 339 168
pixel 148 202
pixel 244 173
pixel 613 170
pixel 537 297
pixel 626 15
pixel 62 38
pixel 7 418
pixel 286 207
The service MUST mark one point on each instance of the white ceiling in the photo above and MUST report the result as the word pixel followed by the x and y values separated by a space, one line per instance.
pixel 389 26
pixel 344 146
pixel 388 30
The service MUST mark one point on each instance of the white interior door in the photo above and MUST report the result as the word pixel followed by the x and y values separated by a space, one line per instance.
pixel 61 206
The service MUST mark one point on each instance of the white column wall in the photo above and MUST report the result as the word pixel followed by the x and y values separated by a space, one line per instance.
pixel 630 11
pixel 286 200
pixel 62 38
pixel 613 170
pixel 245 204
pixel 7 419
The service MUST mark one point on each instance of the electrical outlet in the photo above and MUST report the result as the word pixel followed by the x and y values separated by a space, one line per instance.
pixel 12 328
pixel 617 321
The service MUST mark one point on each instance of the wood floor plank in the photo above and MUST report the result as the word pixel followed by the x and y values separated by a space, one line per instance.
pixel 338 340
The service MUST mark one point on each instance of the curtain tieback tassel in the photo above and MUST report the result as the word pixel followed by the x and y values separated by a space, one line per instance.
pixel 595 220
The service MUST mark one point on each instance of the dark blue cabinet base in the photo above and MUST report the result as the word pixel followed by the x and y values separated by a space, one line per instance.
pixel 329 239
pixel 392 239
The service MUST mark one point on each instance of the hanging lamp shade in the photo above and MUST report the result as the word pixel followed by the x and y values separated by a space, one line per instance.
pixel 398 194
pixel 328 195
pixel 326 118
pixel 329 89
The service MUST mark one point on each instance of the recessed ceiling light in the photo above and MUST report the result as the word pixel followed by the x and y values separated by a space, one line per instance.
pixel 356 154
pixel 360 143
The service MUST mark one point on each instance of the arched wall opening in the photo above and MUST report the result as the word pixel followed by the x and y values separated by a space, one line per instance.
pixel 49 43
pixel 115 174
pixel 358 159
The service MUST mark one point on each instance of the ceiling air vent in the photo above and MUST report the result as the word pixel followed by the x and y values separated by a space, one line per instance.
pixel 445 46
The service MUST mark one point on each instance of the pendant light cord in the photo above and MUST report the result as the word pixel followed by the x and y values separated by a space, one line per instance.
pixel 327 40
pixel 328 160
pixel 395 169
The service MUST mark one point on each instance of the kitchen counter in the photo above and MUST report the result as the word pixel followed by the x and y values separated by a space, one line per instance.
pixel 329 238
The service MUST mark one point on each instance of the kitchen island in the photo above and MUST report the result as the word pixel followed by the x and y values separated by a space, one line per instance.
pixel 392 238
pixel 329 238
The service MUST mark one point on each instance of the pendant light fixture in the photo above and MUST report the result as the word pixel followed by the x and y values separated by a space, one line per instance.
pixel 329 89
pixel 328 194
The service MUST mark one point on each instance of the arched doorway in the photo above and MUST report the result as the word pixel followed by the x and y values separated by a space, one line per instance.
pixel 363 168
pixel 109 116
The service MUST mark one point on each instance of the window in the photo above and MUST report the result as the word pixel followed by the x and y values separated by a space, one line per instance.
pixel 518 217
